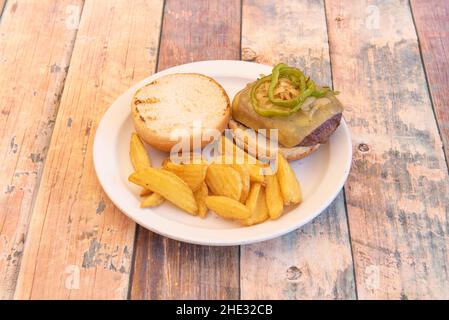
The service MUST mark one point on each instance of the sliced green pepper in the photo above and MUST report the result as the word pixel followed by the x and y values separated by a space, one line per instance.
pixel 282 107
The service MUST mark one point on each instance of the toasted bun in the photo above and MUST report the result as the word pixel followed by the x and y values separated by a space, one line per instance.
pixel 243 140
pixel 179 101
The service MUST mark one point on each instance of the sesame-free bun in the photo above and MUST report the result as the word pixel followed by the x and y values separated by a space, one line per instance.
pixel 179 101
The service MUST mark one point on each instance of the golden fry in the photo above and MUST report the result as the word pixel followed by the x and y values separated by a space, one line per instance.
pixel 153 200
pixel 289 185
pixel 138 153
pixel 229 148
pixel 244 175
pixel 257 204
pixel 254 169
pixel 192 174
pixel 251 202
pixel 227 208
pixel 223 180
pixel 145 192
pixel 275 202
pixel 255 173
pixel 168 185
pixel 200 197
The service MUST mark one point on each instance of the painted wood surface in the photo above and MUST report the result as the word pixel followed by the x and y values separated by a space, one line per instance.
pixel 431 21
pixel 314 261
pixel 2 5
pixel 164 268
pixel 79 245
pixel 33 67
pixel 398 189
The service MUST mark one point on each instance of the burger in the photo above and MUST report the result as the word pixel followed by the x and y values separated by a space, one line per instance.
pixel 304 114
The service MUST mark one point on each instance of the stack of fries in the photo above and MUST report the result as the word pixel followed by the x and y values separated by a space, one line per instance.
pixel 234 185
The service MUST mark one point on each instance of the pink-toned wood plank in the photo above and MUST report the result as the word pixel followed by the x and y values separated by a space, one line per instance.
pixel 36 42
pixel 79 245
pixel 398 189
pixel 164 268
pixel 2 4
pixel 315 261
pixel 431 19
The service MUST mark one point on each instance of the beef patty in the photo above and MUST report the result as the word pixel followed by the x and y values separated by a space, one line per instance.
pixel 322 133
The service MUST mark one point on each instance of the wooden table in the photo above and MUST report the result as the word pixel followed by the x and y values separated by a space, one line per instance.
pixel 62 63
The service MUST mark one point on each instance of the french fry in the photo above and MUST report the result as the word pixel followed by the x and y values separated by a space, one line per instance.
pixel 192 174
pixel 251 202
pixel 153 200
pixel 275 202
pixel 145 192
pixel 200 197
pixel 289 185
pixel 244 175
pixel 139 157
pixel 138 153
pixel 223 180
pixel 253 169
pixel 229 148
pixel 227 208
pixel 255 174
pixel 257 204
pixel 168 185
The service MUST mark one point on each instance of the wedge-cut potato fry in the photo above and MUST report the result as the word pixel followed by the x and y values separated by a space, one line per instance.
pixel 192 174
pixel 244 175
pixel 227 208
pixel 275 202
pixel 139 157
pixel 200 197
pixel 138 153
pixel 253 196
pixel 168 185
pixel 229 148
pixel 223 180
pixel 153 200
pixel 255 174
pixel 257 204
pixel 289 185
pixel 145 192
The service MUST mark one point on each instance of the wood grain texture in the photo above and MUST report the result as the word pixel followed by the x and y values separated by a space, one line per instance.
pixel 315 261
pixel 431 19
pixel 35 47
pixel 2 5
pixel 79 245
pixel 164 268
pixel 398 189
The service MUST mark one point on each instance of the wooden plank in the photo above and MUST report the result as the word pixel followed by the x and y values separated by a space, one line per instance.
pixel 398 190
pixel 431 19
pixel 79 244
pixel 2 5
pixel 36 41
pixel 164 268
pixel 314 261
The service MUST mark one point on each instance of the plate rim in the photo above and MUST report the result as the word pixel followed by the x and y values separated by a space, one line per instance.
pixel 229 67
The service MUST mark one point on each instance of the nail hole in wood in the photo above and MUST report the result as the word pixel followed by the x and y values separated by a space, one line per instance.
pixel 293 273
pixel 363 147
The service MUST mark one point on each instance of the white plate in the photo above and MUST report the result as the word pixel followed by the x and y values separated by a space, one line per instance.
pixel 322 174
